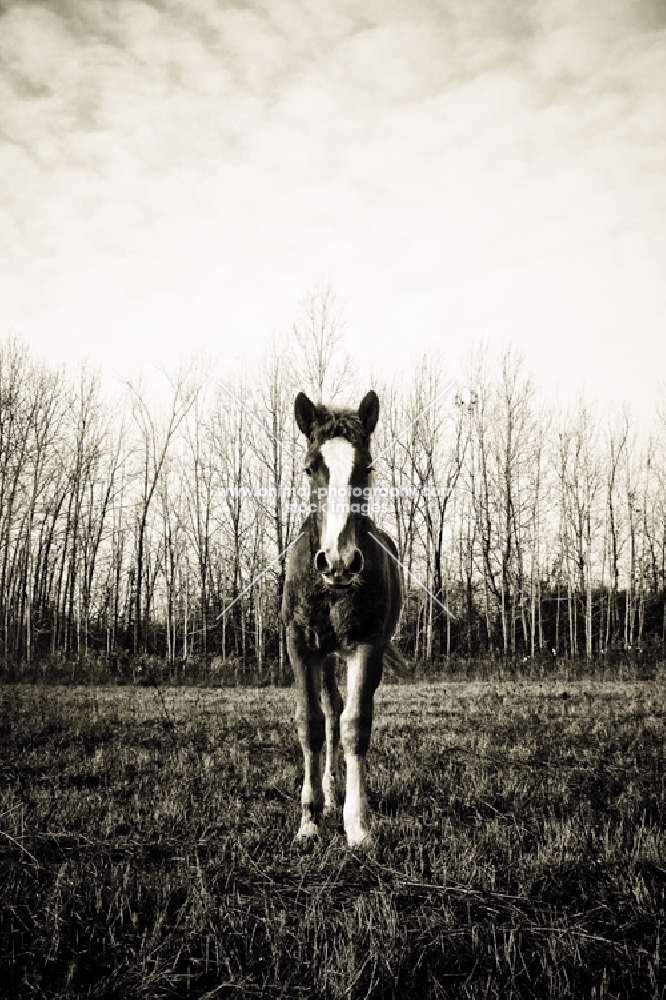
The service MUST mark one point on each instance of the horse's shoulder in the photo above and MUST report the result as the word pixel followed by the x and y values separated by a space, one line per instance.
pixel 297 570
pixel 386 542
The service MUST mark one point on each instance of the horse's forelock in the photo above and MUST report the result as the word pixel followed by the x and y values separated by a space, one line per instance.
pixel 344 424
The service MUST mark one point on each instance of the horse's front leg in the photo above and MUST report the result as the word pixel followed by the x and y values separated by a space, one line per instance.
pixel 307 666
pixel 332 706
pixel 364 670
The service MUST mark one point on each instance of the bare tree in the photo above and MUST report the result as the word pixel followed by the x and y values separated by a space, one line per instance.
pixel 323 365
pixel 483 418
pixel 155 438
pixel 660 456
pixel 276 449
pixel 468 518
pixel 201 501
pixel 513 433
pixel 437 460
pixel 617 442
pixel 231 428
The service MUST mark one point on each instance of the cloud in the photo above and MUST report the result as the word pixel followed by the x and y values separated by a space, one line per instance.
pixel 178 169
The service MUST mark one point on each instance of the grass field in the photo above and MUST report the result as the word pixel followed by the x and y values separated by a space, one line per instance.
pixel 146 846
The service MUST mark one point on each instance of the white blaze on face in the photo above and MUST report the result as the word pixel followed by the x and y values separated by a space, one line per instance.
pixel 339 457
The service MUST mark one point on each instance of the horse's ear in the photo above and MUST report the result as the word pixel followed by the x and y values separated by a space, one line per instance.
pixel 368 412
pixel 304 411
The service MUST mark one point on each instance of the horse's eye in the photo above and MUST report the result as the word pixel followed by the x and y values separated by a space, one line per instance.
pixel 307 470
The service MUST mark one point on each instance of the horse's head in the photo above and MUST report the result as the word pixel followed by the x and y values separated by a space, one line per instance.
pixel 337 463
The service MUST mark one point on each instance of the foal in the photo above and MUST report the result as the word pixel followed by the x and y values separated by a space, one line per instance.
pixel 342 596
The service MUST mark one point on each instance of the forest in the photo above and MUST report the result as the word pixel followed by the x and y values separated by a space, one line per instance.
pixel 148 524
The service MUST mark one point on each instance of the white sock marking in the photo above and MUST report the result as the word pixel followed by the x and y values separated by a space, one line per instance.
pixel 356 814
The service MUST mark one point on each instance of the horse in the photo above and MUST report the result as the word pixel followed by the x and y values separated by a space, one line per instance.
pixel 341 600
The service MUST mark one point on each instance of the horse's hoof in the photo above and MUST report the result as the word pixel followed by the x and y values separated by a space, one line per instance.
pixel 308 833
pixel 366 845
pixel 360 837
pixel 331 806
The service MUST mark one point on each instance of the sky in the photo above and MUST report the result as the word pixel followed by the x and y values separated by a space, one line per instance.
pixel 176 175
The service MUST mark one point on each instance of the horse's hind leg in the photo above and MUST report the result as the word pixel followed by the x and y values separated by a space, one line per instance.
pixel 331 702
pixel 364 670
pixel 307 667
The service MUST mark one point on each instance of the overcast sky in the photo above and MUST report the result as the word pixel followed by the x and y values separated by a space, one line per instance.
pixel 175 175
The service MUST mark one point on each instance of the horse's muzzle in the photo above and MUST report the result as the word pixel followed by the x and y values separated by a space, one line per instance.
pixel 340 571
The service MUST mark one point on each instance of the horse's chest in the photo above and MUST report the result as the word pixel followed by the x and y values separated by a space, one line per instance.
pixel 343 619
pixel 344 622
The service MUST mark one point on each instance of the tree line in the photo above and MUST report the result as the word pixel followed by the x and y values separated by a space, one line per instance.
pixel 154 524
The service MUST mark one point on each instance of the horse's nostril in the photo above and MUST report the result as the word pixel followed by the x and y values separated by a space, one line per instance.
pixel 322 564
pixel 356 564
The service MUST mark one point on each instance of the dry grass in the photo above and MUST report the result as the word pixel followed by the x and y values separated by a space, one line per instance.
pixel 146 846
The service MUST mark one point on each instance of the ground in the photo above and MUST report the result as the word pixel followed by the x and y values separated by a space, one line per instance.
pixel 147 846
